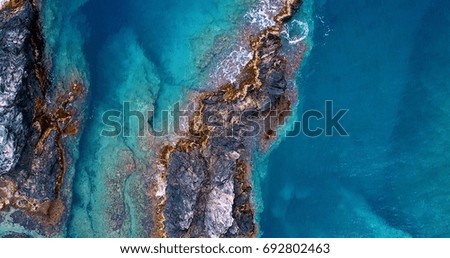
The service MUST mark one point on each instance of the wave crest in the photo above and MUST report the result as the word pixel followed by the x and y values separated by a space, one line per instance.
pixel 296 32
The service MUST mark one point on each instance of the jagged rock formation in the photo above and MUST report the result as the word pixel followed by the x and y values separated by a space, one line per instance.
pixel 15 101
pixel 208 191
pixel 34 118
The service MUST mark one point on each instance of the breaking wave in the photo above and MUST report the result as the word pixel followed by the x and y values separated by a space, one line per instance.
pixel 296 31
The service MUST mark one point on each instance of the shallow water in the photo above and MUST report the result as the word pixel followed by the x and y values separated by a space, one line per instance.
pixel 147 53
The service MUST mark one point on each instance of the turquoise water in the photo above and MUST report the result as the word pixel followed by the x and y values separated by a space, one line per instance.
pixel 388 63
pixel 148 53
pixel 385 62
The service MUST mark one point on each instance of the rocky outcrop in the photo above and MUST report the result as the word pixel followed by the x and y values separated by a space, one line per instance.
pixel 35 117
pixel 207 172
pixel 16 84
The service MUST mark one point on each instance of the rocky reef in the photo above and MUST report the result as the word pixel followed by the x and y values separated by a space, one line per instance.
pixel 207 172
pixel 15 100
pixel 200 180
pixel 35 119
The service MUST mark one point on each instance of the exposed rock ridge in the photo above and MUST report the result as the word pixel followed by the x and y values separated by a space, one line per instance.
pixel 207 172
pixel 35 118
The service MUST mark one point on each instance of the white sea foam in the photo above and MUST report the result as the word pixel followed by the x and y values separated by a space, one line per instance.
pixel 259 17
pixel 295 32
pixel 263 15
pixel 327 26
pixel 233 64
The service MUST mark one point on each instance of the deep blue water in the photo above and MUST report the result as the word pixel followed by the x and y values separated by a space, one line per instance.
pixel 388 63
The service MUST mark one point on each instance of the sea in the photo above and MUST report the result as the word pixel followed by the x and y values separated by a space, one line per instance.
pixel 387 63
